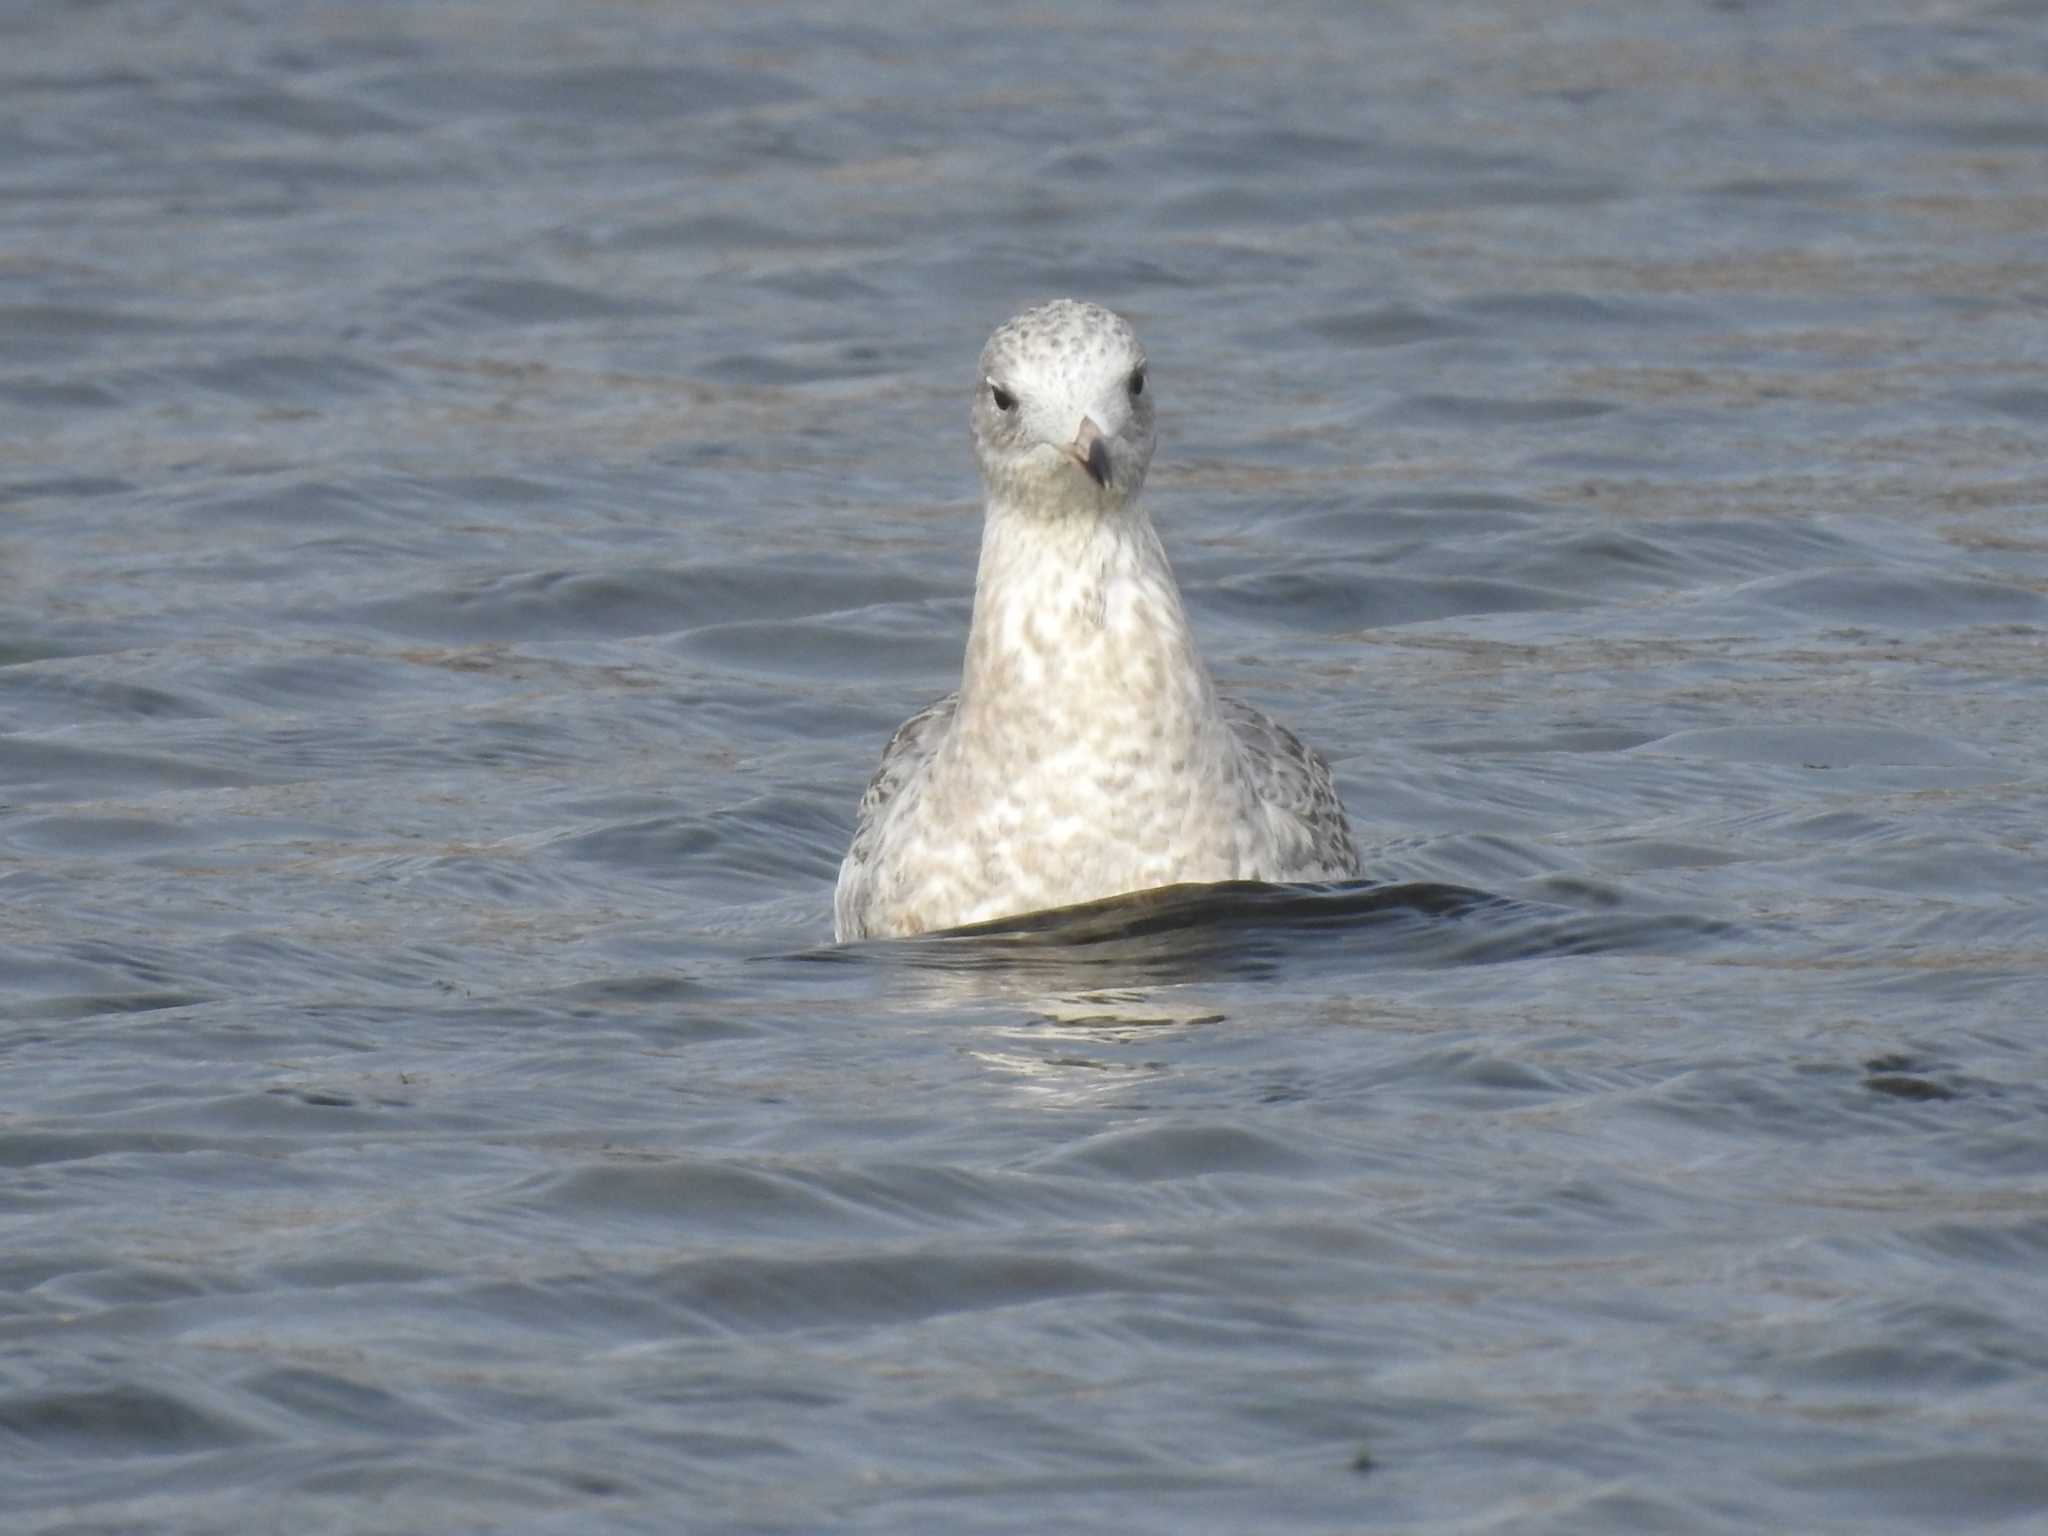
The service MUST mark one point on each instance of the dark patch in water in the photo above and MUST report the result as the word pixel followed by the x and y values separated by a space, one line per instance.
pixel 1251 928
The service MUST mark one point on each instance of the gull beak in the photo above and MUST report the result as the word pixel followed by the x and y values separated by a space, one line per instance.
pixel 1090 452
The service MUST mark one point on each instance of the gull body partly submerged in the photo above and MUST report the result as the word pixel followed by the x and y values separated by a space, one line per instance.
pixel 1087 753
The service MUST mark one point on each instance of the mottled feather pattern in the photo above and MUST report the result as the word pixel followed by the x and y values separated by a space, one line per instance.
pixel 892 789
pixel 1087 752
pixel 1295 780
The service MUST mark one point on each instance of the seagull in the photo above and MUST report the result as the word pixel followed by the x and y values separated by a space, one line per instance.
pixel 1087 753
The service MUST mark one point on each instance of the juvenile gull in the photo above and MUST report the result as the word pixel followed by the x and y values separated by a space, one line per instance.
pixel 1087 752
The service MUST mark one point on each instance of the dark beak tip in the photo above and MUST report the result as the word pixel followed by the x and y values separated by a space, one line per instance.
pixel 1098 463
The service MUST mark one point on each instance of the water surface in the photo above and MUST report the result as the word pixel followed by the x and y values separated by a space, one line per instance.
pixel 480 484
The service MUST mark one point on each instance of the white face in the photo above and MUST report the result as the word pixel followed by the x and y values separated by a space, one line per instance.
pixel 1063 410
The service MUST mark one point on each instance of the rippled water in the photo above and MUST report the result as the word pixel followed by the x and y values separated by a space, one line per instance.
pixel 480 483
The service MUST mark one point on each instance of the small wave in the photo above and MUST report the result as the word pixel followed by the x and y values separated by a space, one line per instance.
pixel 1247 927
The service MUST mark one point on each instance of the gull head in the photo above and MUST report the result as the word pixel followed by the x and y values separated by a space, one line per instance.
pixel 1063 410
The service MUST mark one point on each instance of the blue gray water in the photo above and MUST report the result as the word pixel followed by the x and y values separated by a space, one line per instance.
pixel 479 483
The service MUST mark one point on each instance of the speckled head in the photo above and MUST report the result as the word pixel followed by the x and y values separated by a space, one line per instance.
pixel 1063 410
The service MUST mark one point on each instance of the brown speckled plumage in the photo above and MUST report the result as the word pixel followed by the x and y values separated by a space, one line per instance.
pixel 1087 752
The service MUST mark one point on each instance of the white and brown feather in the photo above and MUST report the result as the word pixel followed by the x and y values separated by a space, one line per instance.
pixel 1087 752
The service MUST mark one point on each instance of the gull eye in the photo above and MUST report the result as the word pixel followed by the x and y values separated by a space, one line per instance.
pixel 1005 401
pixel 1137 385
